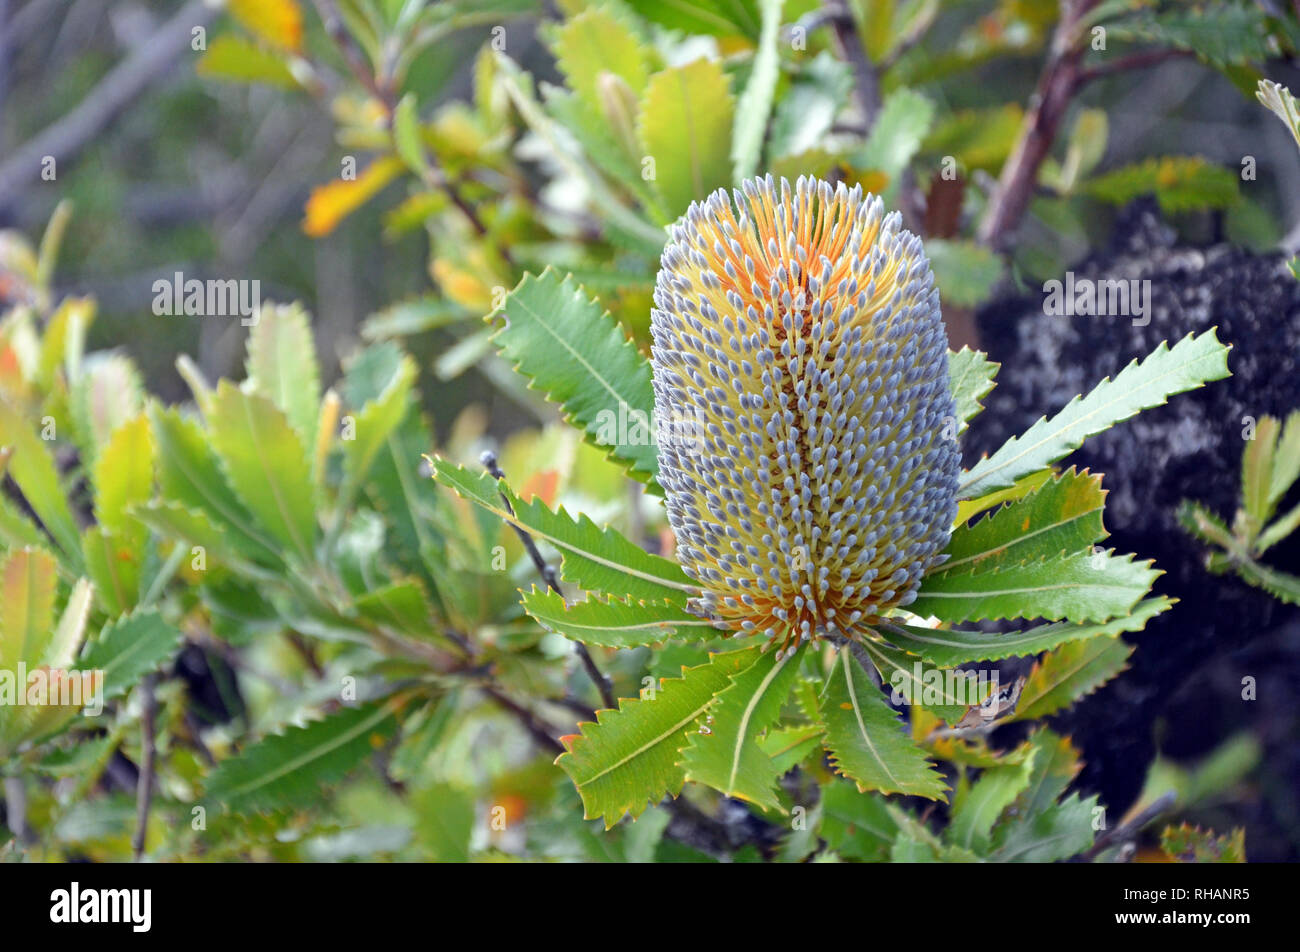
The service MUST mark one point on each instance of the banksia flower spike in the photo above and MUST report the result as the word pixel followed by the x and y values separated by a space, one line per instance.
pixel 805 418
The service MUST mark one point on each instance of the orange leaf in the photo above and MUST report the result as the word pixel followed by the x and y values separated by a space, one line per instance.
pixel 330 203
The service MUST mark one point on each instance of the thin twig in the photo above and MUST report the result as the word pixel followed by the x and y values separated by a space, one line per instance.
pixel 547 573
pixel 352 54
pixel 527 718
pixel 144 789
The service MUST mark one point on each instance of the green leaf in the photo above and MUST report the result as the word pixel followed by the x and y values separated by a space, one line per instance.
pixel 232 58
pixel 914 681
pixel 403 606
pixel 866 739
pixel 755 105
pixel 788 746
pixel 282 365
pixel 31 467
pixel 1179 183
pixel 970 374
pixel 1077 587
pixel 976 809
pixel 595 42
pixel 189 476
pixel 1062 830
pixel 1055 764
pixel 406 135
pixel 1286 461
pixel 724 753
pixel 107 394
pixel 1220 33
pixel 1191 844
pixel 123 475
pixel 1069 673
pixel 900 128
pixel 808 109
pixel 1257 473
pixel 1063 516
pixel 1191 363
pixel 129 648
pixel 289 769
pixel 712 17
pixel 193 527
pixel 964 272
pixel 614 623
pixel 374 424
pixel 578 356
pixel 266 464
pixel 684 124
pixel 62 648
pixel 1279 100
pixel 947 647
pixel 27 581
pixel 114 567
pixel 595 558
pixel 628 758
pixel 444 822
pixel 857 825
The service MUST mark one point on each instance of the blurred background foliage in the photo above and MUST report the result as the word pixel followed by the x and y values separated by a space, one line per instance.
pixel 398 165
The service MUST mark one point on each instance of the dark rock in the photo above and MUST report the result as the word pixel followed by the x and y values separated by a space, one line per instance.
pixel 1189 449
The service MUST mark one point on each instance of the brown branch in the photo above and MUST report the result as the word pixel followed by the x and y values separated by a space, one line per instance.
pixel 547 573
pixel 128 80
pixel 352 54
pixel 1140 60
pixel 1057 85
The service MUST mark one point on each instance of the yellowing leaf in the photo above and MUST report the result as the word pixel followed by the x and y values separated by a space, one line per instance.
pixel 279 22
pixel 330 203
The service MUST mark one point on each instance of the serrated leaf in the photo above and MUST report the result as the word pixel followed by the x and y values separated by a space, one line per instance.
pixel 128 648
pixel 977 808
pixel 266 464
pixel 115 568
pixel 1279 100
pixel 1077 587
pixel 1191 363
pixel 684 124
pixel 614 623
pixel 913 681
pixel 27 581
pixel 595 42
pixel 289 769
pixel 282 365
pixel 971 376
pixel 1056 763
pixel 1060 831
pixel 1062 516
pixel 107 394
pixel 755 105
pixel 578 356
pixel 866 739
pixel 123 474
pixel 628 758
pixel 1191 844
pixel 374 424
pixel 724 753
pixel 1069 673
pixel 190 477
pixel 948 647
pixel 1286 461
pixel 31 467
pixel 595 558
